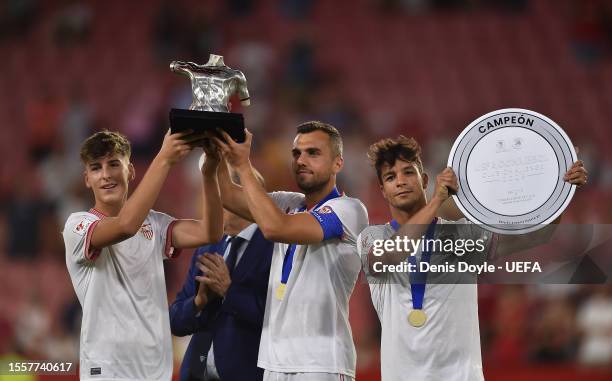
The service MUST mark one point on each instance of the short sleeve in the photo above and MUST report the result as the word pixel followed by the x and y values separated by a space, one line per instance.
pixel 329 221
pixel 77 238
pixel 350 212
pixel 162 225
pixel 243 91
pixel 287 201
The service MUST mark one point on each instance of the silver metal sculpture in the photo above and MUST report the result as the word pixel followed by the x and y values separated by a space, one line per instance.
pixel 212 87
pixel 213 84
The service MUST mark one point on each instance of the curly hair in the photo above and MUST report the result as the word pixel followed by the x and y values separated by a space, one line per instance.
pixel 387 151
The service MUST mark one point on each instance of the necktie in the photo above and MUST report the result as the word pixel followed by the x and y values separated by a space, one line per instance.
pixel 235 244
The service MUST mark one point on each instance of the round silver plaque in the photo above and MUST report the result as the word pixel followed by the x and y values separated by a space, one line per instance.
pixel 510 165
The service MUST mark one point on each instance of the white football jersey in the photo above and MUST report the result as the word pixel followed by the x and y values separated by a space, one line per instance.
pixel 125 331
pixel 447 347
pixel 308 329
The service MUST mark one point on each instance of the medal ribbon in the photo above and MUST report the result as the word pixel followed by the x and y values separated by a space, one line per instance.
pixel 288 259
pixel 418 279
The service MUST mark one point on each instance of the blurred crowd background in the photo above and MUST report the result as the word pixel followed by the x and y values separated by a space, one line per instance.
pixel 372 68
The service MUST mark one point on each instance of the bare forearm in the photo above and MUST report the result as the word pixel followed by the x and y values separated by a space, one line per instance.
pixel 263 210
pixel 212 211
pixel 413 229
pixel 417 224
pixel 449 210
pixel 137 207
pixel 232 195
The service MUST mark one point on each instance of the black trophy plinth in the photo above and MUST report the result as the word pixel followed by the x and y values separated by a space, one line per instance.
pixel 201 121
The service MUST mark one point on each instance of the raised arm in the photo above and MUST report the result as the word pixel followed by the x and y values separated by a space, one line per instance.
pixel 111 230
pixel 416 226
pixel 277 226
pixel 450 211
pixel 209 228
pixel 232 194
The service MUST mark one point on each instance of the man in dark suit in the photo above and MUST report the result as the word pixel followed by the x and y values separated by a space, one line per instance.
pixel 222 304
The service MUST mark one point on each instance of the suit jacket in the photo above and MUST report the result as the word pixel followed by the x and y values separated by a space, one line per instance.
pixel 233 324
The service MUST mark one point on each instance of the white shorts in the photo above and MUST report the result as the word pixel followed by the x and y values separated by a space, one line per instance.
pixel 307 376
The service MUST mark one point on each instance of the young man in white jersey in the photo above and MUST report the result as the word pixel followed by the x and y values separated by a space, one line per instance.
pixel 306 333
pixel 429 331
pixel 115 252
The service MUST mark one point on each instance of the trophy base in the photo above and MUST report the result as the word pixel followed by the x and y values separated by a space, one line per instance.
pixel 200 121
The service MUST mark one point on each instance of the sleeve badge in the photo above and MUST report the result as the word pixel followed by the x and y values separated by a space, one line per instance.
pixel 81 227
pixel 147 231
pixel 325 210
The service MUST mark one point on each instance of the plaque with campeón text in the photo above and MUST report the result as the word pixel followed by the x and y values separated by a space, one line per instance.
pixel 510 165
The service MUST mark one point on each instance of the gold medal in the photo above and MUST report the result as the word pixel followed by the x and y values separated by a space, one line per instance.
pixel 280 291
pixel 417 318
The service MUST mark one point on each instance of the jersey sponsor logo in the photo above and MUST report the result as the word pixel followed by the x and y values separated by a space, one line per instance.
pixel 95 371
pixel 81 227
pixel 147 231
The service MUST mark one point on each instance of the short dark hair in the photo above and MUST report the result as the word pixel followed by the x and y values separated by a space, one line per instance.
pixel 103 143
pixel 387 151
pixel 331 131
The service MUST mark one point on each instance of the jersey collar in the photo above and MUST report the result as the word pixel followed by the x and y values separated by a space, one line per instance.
pixel 333 194
pixel 97 213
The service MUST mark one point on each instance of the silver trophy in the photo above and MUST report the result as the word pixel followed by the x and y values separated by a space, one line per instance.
pixel 212 86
